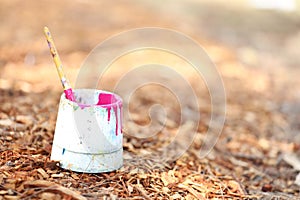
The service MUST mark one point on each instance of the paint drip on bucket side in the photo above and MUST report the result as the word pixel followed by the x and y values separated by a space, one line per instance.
pixel 109 101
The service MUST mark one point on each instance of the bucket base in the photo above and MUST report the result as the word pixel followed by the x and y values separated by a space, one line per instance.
pixel 87 162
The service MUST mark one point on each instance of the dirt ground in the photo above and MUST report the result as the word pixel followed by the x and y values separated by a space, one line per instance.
pixel 256 52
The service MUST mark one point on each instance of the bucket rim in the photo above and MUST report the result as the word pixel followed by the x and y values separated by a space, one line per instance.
pixel 116 103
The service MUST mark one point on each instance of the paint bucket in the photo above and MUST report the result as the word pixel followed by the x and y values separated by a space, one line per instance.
pixel 88 133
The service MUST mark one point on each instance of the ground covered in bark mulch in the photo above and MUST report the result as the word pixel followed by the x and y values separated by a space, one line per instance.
pixel 257 155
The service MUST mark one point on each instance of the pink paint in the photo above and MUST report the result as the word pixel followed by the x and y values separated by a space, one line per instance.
pixel 69 94
pixel 106 98
pixel 109 101
pixel 108 114
pixel 82 106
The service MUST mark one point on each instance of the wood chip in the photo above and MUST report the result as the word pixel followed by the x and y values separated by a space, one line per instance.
pixel 75 176
pixel 165 190
pixel 43 173
pixel 297 181
pixel 25 119
pixel 267 188
pixel 49 196
pixel 176 196
pixel 234 186
pixel 192 191
pixel 10 197
pixel 168 178
pixel 292 160
pixel 2 192
pixel 50 186
pixel 140 188
pixel 130 189
pixel 6 122
pixel 60 175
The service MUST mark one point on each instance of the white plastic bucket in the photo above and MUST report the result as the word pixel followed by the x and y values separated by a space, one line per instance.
pixel 88 137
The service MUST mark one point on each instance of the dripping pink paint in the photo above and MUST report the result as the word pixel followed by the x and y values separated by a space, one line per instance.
pixel 105 100
pixel 109 101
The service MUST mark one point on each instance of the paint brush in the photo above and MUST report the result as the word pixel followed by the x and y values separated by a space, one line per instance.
pixel 65 83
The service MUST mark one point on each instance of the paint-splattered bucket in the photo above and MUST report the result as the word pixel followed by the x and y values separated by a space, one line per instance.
pixel 88 134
